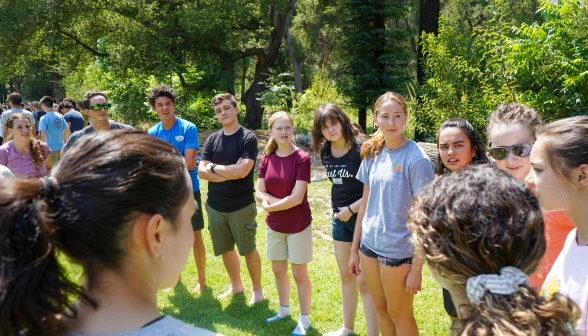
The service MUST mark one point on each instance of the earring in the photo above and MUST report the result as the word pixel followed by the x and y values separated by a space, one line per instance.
pixel 160 258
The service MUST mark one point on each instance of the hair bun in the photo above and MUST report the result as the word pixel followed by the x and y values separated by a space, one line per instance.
pixel 50 188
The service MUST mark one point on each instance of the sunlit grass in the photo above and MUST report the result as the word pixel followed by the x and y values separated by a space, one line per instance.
pixel 233 315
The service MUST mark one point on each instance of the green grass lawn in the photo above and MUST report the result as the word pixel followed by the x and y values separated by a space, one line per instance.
pixel 233 315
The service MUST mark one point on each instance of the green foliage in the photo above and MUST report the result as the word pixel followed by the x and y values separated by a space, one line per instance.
pixel 375 55
pixel 279 91
pixel 321 91
pixel 543 65
pixel 551 60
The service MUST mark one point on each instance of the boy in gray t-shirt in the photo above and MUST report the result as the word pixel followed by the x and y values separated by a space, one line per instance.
pixel 394 177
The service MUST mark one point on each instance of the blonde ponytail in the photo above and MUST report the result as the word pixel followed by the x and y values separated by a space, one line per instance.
pixel 372 147
pixel 271 146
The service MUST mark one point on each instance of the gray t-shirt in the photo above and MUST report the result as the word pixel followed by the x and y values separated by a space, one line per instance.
pixel 12 111
pixel 167 326
pixel 394 177
pixel 89 129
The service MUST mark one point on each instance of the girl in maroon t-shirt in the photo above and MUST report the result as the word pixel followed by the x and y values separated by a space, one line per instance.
pixel 283 177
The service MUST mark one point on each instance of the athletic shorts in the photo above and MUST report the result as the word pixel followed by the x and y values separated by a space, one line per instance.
pixel 296 247
pixel 390 262
pixel 343 231
pixel 198 217
pixel 230 228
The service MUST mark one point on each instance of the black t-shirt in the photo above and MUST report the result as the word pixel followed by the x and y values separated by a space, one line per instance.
pixel 219 148
pixel 341 171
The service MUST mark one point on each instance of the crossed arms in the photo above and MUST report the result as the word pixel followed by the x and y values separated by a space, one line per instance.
pixel 223 173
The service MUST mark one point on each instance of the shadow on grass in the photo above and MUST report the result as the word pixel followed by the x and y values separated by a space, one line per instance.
pixel 206 311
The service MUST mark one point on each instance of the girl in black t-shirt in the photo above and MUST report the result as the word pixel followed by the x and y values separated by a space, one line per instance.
pixel 338 143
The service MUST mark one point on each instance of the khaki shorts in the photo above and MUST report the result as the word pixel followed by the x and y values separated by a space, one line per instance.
pixel 54 156
pixel 230 228
pixel 296 247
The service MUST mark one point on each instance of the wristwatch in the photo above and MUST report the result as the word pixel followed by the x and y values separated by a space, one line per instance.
pixel 212 167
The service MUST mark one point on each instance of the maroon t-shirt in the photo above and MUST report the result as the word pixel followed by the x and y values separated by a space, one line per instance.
pixel 280 175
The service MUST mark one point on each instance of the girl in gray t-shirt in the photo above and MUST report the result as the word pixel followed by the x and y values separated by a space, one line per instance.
pixel 393 170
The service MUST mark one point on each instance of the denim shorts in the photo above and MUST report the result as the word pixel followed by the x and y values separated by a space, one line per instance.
pixel 390 262
pixel 343 231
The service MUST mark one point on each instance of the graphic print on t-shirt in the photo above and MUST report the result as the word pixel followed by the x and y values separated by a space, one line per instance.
pixel 549 288
pixel 337 172
pixel 57 123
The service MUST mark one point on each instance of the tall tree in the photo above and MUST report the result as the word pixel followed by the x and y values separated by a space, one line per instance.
pixel 199 41
pixel 375 57
pixel 428 23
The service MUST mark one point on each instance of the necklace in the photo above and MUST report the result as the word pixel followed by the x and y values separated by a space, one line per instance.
pixel 23 152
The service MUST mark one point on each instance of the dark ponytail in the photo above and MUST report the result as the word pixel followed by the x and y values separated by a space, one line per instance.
pixel 103 183
pixel 33 286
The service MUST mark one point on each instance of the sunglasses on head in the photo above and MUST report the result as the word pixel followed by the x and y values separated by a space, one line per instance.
pixel 98 107
pixel 520 150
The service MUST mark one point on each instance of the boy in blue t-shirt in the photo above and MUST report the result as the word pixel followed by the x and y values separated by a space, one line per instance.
pixel 53 128
pixel 184 136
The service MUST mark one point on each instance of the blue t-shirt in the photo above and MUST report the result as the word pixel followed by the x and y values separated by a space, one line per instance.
pixel 76 119
pixel 53 124
pixel 394 177
pixel 183 135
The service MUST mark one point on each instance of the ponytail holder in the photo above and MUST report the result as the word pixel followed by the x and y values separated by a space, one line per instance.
pixel 509 280
pixel 50 187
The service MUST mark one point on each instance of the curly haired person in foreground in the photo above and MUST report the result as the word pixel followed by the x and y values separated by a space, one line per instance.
pixel 474 229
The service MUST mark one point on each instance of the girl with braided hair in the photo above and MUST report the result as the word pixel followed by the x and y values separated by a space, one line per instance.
pixel 512 131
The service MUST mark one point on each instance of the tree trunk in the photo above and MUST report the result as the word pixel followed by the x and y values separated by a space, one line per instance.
pixel 296 65
pixel 265 60
pixel 3 93
pixel 428 23
pixel 254 112
pixel 16 85
pixel 57 79
pixel 362 116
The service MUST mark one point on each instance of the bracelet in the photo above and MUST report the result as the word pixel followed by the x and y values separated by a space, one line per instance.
pixel 212 167
pixel 349 207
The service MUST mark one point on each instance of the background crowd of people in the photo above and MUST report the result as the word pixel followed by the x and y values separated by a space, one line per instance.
pixel 502 226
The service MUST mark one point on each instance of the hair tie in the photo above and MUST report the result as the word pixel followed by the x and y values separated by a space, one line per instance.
pixel 50 187
pixel 509 280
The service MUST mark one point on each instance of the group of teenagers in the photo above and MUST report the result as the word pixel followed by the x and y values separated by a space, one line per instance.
pixel 503 227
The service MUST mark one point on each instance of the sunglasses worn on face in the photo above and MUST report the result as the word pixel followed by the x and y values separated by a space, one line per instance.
pixel 98 107
pixel 520 150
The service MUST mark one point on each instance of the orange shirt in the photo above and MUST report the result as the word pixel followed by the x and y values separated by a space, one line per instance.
pixel 557 228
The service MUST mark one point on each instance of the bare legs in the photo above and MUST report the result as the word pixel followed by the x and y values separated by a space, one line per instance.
pixel 200 260
pixel 300 274
pixel 349 287
pixel 392 303
pixel 233 267
pixel 253 262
